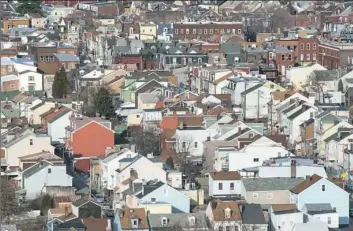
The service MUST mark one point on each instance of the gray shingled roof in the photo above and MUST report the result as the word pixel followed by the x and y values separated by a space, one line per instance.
pixel 252 214
pixel 67 57
pixel 319 208
pixel 270 184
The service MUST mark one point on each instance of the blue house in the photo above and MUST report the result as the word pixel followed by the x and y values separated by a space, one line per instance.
pixel 316 190
pixel 164 194
pixel 165 31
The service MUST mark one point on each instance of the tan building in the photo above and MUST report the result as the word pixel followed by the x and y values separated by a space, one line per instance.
pixel 265 191
pixel 7 24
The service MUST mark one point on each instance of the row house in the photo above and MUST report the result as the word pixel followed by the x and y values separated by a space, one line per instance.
pixel 25 81
pixel 131 29
pixel 334 24
pixel 179 58
pixel 16 23
pixel 334 54
pixel 210 80
pixel 307 50
pixel 142 61
pixel 206 30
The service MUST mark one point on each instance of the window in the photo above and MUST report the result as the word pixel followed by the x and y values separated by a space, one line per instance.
pixel 31 142
pixel 227 228
pixel 176 31
pixel 308 57
pixel 255 195
pixel 51 58
pixel 137 116
pixel 189 60
pixel 10 68
pixel 220 186
pixel 131 30
pixel 289 57
pixel 143 30
pixel 269 196
pixel 308 46
pixel 236 228
pixel 195 144
pixel 181 31
pixel 12 86
pixel 270 55
pixel 314 46
pixel 231 186
pixel 153 199
pixel 216 31
pixel 314 57
pixel 186 31
pixel 30 78
pixel 302 57
pixel 256 159
pixel 165 191
pixel 222 31
pixel 323 188
pixel 205 31
pixel 174 61
pixel 49 170
pixel 183 145
pixel 329 220
pixel 302 46
pixel 199 60
pixel 283 57
pixel 164 221
pixel 47 59
pixel 41 58
pixel 199 31
pixel 211 31
pixel 150 30
pixel 220 228
pixel 134 222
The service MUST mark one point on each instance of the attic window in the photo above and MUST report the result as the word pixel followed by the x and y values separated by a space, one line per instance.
pixel 164 221
pixel 49 170
pixel 31 142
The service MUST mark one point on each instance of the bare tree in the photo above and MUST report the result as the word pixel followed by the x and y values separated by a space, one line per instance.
pixel 146 141
pixel 9 202
pixel 281 19
pixel 183 143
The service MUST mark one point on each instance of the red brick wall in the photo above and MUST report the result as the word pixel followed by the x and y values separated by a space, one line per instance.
pixel 130 60
pixel 286 62
pixel 6 86
pixel 92 140
pixel 307 47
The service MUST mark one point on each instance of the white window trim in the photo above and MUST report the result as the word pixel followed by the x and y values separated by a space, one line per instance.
pixel 255 195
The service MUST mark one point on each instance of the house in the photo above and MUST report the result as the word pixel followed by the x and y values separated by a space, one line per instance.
pixel 268 190
pixel 84 208
pixel 255 100
pixel 323 212
pixel 253 217
pixel 97 224
pixel 224 184
pixel 67 61
pixel 311 226
pixel 317 190
pixel 160 193
pixel 46 177
pixel 111 163
pixel 300 76
pixel 165 31
pixel 184 221
pixel 66 223
pixel 148 32
pixel 23 144
pixel 147 101
pixel 224 215
pixel 30 81
pixel 82 129
pixel 32 159
pixel 55 121
pixel 284 217
pixel 37 110
pixel 131 219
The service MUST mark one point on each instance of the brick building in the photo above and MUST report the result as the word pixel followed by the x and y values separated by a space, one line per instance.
pixel 16 23
pixel 307 50
pixel 333 54
pixel 205 30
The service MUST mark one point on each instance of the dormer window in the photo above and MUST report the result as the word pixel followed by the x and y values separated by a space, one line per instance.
pixel 192 220
pixel 134 223
pixel 227 213
pixel 164 221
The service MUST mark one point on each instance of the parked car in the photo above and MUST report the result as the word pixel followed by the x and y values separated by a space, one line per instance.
pixel 99 198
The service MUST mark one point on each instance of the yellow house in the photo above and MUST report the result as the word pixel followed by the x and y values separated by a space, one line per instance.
pixel 148 31
pixel 157 208
pixel 135 118
pixel 132 9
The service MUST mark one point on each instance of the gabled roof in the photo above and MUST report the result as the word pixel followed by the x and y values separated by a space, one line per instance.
pixel 284 208
pixel 147 189
pixel 231 175
pixel 35 168
pixel 252 214
pixel 253 88
pixel 270 183
pixel 305 184
pixel 219 207
pixel 83 201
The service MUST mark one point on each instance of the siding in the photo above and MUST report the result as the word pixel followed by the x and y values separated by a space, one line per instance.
pixel 92 140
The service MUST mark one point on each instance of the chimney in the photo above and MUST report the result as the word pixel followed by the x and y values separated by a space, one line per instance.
pixel 181 125
pixel 293 169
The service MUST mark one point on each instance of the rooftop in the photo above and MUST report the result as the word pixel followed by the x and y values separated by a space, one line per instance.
pixel 270 184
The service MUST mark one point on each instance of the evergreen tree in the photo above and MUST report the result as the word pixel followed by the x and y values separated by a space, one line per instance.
pixel 60 85
pixel 103 103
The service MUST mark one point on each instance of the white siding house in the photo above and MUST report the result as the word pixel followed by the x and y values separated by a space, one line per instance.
pixel 27 143
pixel 30 81
pixel 284 217
pixel 56 127
pixel 37 178
pixel 224 184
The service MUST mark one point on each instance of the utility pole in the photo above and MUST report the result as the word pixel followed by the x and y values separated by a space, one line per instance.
pixel 245 88
pixel 270 104
pixel 258 105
